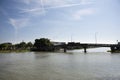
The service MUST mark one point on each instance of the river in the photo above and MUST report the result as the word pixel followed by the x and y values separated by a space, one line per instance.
pixel 73 65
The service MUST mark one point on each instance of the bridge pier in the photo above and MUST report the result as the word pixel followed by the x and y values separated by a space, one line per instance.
pixel 112 49
pixel 65 50
pixel 85 49
pixel 115 48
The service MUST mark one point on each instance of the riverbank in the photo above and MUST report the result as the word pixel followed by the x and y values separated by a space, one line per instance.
pixel 10 51
pixel 117 51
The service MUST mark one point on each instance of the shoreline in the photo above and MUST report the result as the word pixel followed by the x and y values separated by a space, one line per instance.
pixel 10 51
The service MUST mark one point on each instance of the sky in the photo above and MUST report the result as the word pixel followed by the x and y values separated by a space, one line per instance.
pixel 85 21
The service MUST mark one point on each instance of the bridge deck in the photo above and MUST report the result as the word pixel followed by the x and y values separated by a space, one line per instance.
pixel 98 45
pixel 74 45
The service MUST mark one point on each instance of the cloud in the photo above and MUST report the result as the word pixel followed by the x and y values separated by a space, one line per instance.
pixel 25 1
pixel 56 2
pixel 40 10
pixel 35 11
pixel 83 12
pixel 63 6
pixel 34 7
pixel 86 2
pixel 45 2
pixel 40 7
pixel 18 23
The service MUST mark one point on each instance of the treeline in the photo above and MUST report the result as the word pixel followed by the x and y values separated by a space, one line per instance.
pixel 42 44
pixel 19 46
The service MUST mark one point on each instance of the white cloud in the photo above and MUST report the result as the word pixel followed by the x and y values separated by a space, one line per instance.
pixel 39 7
pixel 34 7
pixel 33 11
pixel 85 2
pixel 18 23
pixel 63 6
pixel 40 10
pixel 45 2
pixel 56 2
pixel 83 12
pixel 66 2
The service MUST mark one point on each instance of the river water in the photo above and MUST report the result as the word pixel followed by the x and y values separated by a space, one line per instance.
pixel 73 65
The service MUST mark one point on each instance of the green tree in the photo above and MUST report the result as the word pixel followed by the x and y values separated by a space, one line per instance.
pixel 29 45
pixel 5 46
pixel 22 45
pixel 43 44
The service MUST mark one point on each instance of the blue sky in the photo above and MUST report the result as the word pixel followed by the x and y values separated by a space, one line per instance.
pixel 59 20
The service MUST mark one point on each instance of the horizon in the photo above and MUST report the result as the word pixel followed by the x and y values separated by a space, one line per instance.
pixel 84 21
pixel 61 42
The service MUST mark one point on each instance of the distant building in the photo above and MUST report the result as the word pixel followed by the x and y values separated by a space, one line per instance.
pixel 73 43
pixel 58 43
pixel 118 43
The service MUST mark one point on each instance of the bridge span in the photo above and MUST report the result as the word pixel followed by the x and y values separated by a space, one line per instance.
pixel 77 45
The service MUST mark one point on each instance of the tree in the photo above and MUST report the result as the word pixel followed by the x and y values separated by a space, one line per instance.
pixel 43 44
pixel 21 45
pixel 29 45
pixel 5 46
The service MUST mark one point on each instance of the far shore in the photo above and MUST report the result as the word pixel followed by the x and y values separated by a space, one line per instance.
pixel 10 51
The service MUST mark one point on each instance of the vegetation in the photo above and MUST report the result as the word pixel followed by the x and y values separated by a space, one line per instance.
pixel 20 47
pixel 5 46
pixel 43 44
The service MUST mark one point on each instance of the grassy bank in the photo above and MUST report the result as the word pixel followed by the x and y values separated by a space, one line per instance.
pixel 117 51
pixel 10 51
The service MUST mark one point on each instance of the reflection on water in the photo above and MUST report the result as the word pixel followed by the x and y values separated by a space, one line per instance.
pixel 60 66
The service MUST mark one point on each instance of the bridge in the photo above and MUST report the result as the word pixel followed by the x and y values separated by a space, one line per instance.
pixel 85 46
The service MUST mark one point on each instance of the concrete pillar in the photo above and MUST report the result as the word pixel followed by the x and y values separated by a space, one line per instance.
pixel 65 47
pixel 65 50
pixel 85 50
pixel 112 49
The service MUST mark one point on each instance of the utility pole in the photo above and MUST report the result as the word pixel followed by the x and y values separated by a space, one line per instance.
pixel 71 38
pixel 96 37
pixel 117 41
